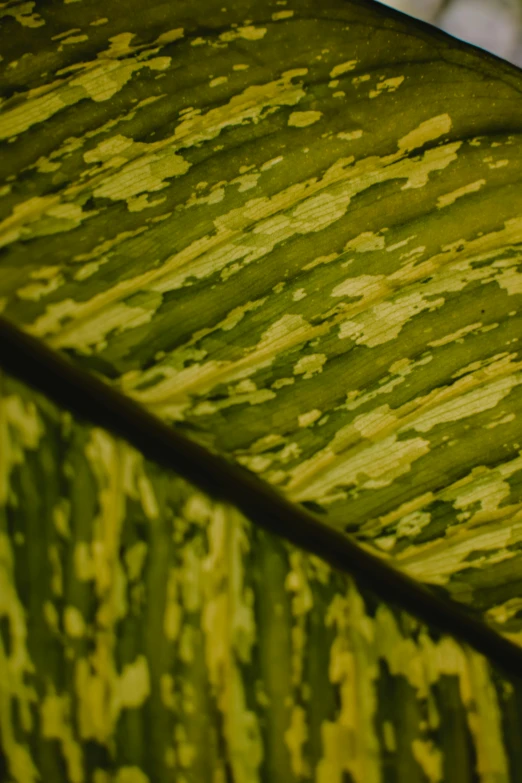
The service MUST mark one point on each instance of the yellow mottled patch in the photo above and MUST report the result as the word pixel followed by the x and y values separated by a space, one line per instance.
pixel 433 160
pixel 384 321
pixel 35 291
pixel 369 426
pixel 435 562
pixel 349 65
pixel 56 725
pixel 74 623
pixel 386 85
pixel 23 13
pixel 83 562
pixel 366 242
pixel 375 466
pixel 455 336
pixel 99 83
pixel 365 286
pixel 301 119
pixel 429 758
pixel 499 164
pixel 248 32
pixel 309 365
pixel 278 15
pixel 131 775
pixel 217 81
pixel 350 743
pixel 134 684
pixel 470 404
pixel 170 36
pixel 229 628
pixel 412 524
pixel 295 739
pixel 147 173
pixel 73 39
pixel 173 613
pixel 321 260
pixel 427 131
pixel 450 198
pixel 305 419
pixel 350 135
pixel 135 560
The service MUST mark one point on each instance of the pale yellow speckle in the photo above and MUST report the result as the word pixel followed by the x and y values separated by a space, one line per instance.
pixel 282 15
pixel 301 119
pixel 240 67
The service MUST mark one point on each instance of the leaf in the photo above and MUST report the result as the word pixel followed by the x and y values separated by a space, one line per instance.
pixel 155 634
pixel 292 233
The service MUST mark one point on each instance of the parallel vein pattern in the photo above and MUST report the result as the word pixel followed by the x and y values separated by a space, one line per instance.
pixel 294 232
pixel 153 635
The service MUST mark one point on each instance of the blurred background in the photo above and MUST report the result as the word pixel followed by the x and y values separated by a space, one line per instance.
pixel 495 25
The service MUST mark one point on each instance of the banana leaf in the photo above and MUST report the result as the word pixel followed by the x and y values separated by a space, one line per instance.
pixel 260 398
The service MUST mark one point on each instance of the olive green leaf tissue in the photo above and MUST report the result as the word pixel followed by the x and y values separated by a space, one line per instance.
pixel 289 232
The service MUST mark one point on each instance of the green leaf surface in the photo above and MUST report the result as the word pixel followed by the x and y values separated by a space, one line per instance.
pixel 151 634
pixel 296 231
pixel 292 231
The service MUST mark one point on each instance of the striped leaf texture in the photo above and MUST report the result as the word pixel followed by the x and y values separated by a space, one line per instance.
pixel 291 231
pixel 151 634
